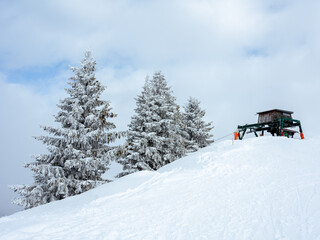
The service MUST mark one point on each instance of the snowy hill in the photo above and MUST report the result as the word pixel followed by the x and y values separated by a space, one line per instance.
pixel 264 188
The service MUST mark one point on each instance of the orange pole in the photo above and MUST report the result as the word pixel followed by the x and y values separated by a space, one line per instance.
pixel 301 135
pixel 236 135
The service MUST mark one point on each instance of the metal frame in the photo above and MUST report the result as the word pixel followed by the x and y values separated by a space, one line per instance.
pixel 274 127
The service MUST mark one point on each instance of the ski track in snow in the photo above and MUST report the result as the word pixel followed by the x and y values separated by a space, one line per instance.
pixel 265 188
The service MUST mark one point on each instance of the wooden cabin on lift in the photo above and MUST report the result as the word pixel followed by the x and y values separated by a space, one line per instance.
pixel 271 115
pixel 276 122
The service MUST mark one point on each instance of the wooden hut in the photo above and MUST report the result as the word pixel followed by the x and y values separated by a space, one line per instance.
pixel 274 114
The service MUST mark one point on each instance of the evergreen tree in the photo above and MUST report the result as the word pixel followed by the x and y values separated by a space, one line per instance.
pixel 153 139
pixel 137 137
pixel 78 150
pixel 198 131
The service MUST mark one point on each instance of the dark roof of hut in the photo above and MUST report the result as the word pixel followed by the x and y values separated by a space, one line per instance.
pixel 278 110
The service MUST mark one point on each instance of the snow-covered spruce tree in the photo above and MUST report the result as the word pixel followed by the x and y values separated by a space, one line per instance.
pixel 153 138
pixel 137 137
pixel 78 150
pixel 198 131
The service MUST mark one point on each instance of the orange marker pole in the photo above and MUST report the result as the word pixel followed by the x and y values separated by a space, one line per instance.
pixel 236 135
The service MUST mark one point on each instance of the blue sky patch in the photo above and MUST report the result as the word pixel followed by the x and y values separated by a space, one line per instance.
pixel 255 52
pixel 35 75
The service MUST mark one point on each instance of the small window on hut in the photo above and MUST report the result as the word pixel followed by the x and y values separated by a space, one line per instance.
pixel 286 114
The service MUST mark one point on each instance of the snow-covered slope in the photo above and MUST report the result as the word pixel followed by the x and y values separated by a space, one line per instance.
pixel 264 188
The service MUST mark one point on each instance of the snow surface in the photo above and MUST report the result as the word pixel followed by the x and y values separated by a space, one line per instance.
pixel 264 188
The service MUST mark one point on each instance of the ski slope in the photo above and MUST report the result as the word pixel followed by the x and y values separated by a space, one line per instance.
pixel 259 188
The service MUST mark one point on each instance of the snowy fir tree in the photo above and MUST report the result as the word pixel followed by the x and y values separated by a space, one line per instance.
pixel 198 131
pixel 79 150
pixel 153 139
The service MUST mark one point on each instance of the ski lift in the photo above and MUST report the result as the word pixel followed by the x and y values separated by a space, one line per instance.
pixel 276 122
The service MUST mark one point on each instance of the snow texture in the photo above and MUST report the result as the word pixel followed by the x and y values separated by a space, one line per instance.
pixel 259 188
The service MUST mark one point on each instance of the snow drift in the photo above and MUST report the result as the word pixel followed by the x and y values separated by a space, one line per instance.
pixel 264 188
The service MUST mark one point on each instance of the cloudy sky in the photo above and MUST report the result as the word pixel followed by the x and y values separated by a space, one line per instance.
pixel 237 57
